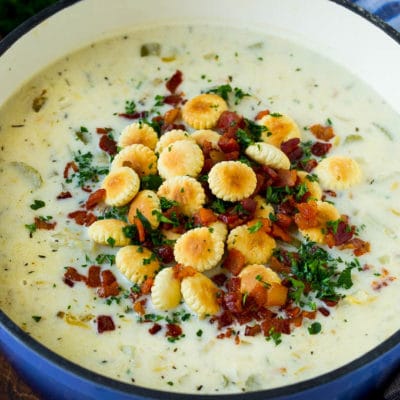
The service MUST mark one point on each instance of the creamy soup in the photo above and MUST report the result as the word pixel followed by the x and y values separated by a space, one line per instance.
pixel 55 118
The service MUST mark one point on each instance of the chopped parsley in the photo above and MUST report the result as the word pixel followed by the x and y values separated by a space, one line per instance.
pixel 314 328
pixel 314 266
pixel 37 204
pixel 87 172
pixel 105 258
pixel 115 213
pixel 167 204
pixel 224 91
pixel 275 336
pixel 31 228
pixel 130 106
pixel 111 241
pixel 256 227
pixel 83 135
pixel 150 182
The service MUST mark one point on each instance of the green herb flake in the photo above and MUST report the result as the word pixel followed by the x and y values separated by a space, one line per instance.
pixel 111 241
pixel 39 101
pixel 276 337
pixel 314 328
pixel 83 135
pixel 37 204
pixel 167 204
pixel 31 228
pixel 36 318
pixel 151 182
pixel 130 106
pixel 256 227
pixel 87 172
pixel 150 49
pixel 105 258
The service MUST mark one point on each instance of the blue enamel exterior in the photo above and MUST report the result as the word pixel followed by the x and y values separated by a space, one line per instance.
pixel 56 378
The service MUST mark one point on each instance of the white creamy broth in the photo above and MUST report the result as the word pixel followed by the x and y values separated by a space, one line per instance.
pixel 88 89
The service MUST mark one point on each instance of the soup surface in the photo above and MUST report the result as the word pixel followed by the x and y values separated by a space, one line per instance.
pixel 55 118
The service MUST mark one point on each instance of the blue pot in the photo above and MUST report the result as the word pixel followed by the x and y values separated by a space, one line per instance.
pixel 53 377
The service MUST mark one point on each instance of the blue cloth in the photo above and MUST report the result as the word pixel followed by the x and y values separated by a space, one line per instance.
pixel 387 10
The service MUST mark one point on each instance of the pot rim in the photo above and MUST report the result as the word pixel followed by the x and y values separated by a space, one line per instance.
pixel 70 367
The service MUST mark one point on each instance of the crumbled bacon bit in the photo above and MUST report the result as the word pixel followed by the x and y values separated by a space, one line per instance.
pixel 181 272
pixel 309 165
pixel 232 155
pixel 280 233
pixel 70 165
pixel 233 302
pixel 232 220
pixel 72 275
pixel 146 286
pixel 342 234
pixel 90 218
pixel 319 149
pixel 292 149
pixel 41 224
pixel 173 330
pixel 135 115
pixel 324 311
pixel 171 115
pixel 86 189
pixel 229 122
pixel 219 279
pixel 228 144
pixel 165 253
pixel 286 178
pixel 139 308
pixel 82 217
pixel 307 216
pixel 64 195
pixel 173 82
pixel 109 290
pixel 234 262
pixel 170 127
pixel 95 198
pixel 109 285
pixel 330 193
pixel 173 100
pixel 384 281
pixel 249 206
pixel 330 303
pixel 140 228
pixel 227 334
pixel 155 328
pixel 359 246
pixel 103 131
pixel 309 314
pixel 252 330
pixel 293 312
pixel 93 279
pixel 204 217
pixel 261 114
pixel 105 323
pixel 321 132
pixel 276 325
pixel 107 277
pixel 108 144
pixel 283 220
pixel 278 266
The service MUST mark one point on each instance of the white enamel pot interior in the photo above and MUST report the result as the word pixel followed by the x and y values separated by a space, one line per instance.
pixel 335 29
